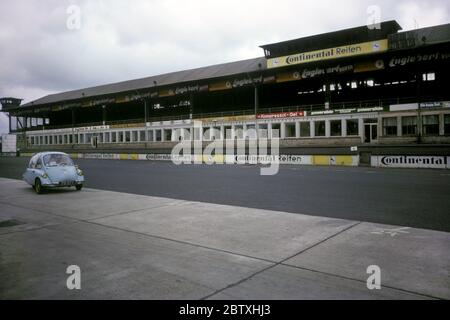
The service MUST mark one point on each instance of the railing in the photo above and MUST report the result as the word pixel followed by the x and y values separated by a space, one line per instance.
pixel 340 105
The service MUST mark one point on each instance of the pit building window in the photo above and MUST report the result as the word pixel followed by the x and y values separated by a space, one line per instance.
pixel 409 126
pixel 336 128
pixel 276 130
pixel 290 130
pixel 320 129
pixel 263 131
pixel 150 136
pixel 447 124
pixel 389 127
pixel 158 135
pixel 305 129
pixel 167 135
pixel 430 125
pixel 353 127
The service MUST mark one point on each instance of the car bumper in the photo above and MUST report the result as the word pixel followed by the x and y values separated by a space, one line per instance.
pixel 59 184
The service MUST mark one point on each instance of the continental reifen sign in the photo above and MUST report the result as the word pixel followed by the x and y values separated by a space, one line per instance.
pixel 330 53
pixel 430 162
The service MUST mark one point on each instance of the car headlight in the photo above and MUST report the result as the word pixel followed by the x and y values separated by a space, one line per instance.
pixel 44 175
pixel 80 172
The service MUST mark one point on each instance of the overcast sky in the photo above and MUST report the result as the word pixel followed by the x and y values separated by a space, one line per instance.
pixel 43 51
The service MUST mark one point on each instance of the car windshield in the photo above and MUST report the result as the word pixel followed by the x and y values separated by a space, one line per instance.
pixel 56 160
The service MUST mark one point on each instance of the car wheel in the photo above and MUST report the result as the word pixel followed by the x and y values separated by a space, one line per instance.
pixel 79 187
pixel 38 186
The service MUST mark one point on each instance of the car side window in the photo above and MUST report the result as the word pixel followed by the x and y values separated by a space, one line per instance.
pixel 32 162
pixel 38 163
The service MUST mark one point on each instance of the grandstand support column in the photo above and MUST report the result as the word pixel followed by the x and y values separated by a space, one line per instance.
pixel 399 126
pixel 361 129
pixel 327 93
pixel 73 117
pixel 223 134
pixel 327 129
pixel 283 130
pixel 344 128
pixel 380 127
pixel 104 114
pixel 191 105
pixel 419 96
pixel 256 111
pixel 145 111
pixel 269 130
pixel 9 122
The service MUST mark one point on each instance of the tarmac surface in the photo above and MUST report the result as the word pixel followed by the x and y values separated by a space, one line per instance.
pixel 404 197
pixel 132 246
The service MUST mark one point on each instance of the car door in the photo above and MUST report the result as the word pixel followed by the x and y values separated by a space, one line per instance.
pixel 38 168
pixel 28 175
pixel 33 170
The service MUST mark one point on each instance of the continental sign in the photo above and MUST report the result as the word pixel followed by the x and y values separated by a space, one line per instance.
pixel 328 54
pixel 430 162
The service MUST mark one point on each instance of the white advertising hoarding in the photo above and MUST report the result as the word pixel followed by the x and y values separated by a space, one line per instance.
pixel 9 143
pixel 429 162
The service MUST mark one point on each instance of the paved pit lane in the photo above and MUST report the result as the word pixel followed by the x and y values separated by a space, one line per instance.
pixel 142 247
pixel 404 197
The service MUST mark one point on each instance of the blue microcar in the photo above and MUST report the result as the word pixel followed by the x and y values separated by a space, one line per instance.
pixel 53 170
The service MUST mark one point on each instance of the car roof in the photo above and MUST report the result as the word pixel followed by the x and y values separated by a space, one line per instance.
pixel 41 154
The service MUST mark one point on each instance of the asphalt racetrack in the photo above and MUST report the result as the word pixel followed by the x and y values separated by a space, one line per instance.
pixel 404 197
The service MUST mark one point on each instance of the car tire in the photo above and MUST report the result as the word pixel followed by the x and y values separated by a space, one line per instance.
pixel 79 187
pixel 38 186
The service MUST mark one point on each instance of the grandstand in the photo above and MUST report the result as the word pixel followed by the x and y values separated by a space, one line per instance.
pixel 378 89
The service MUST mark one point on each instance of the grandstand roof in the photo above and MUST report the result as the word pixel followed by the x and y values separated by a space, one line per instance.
pixel 215 71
